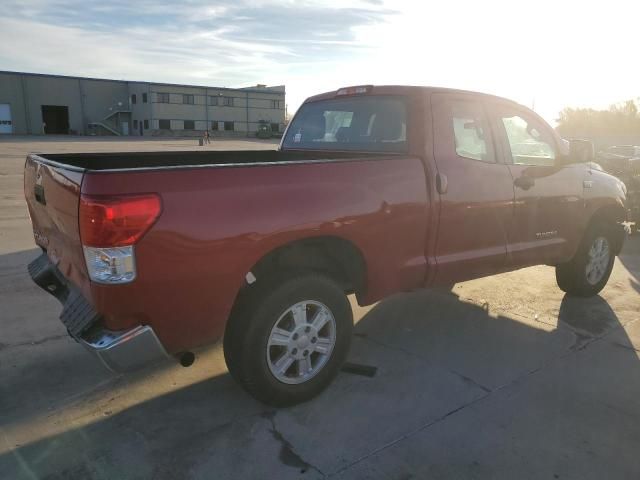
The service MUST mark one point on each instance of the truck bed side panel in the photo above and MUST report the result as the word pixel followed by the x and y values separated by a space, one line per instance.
pixel 218 222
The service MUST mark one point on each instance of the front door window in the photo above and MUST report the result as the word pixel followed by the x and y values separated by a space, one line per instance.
pixel 528 142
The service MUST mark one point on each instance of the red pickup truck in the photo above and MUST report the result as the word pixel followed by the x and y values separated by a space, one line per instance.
pixel 374 190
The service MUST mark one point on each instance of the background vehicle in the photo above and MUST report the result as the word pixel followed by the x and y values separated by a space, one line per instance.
pixel 375 190
pixel 264 130
pixel 623 161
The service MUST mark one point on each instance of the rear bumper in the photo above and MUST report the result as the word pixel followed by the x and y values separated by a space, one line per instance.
pixel 119 351
pixel 125 350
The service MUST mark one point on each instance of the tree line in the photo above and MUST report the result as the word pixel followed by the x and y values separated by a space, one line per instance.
pixel 619 119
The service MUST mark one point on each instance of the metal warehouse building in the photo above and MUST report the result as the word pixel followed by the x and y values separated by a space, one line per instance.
pixel 52 104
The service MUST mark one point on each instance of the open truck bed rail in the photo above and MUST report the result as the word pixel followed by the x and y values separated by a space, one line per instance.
pixel 126 161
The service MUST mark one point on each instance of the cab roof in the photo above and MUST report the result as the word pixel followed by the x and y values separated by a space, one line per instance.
pixel 406 90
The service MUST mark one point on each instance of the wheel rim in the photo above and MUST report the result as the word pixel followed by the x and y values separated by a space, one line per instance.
pixel 599 255
pixel 301 342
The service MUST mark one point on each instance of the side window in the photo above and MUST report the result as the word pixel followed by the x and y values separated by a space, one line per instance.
pixel 530 144
pixel 471 132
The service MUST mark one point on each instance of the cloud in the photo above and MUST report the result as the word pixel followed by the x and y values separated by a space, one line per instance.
pixel 558 53
pixel 218 43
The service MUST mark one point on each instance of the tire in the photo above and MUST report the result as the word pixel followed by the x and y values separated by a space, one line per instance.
pixel 580 276
pixel 256 353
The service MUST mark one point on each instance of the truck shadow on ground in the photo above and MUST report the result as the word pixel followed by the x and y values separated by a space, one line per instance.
pixel 435 353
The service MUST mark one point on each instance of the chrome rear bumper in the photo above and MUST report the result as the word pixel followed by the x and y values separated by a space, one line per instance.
pixel 125 350
pixel 119 351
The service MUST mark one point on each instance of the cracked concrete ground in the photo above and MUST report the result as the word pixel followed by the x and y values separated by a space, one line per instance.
pixel 504 377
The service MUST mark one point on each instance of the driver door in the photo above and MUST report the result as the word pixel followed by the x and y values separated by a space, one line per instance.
pixel 548 207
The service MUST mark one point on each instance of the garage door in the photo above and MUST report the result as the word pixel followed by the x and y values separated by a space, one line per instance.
pixel 5 118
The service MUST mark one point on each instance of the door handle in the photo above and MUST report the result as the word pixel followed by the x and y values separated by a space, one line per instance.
pixel 441 183
pixel 524 182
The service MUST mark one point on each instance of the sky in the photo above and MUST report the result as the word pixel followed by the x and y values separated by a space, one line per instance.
pixel 542 53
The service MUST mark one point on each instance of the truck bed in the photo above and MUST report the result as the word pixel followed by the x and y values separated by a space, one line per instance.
pixel 221 213
pixel 149 160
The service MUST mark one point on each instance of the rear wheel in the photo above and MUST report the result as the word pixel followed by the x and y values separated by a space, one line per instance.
pixel 588 271
pixel 290 338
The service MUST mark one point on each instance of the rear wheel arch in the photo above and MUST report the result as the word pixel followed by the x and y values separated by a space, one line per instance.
pixel 335 257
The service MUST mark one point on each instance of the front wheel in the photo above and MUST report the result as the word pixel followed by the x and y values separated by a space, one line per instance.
pixel 290 338
pixel 588 271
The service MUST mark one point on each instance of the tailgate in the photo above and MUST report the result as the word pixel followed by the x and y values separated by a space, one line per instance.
pixel 53 194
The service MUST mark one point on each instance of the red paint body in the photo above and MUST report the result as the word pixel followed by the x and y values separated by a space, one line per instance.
pixel 218 222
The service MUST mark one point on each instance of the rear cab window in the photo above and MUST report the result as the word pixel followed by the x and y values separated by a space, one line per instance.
pixel 374 123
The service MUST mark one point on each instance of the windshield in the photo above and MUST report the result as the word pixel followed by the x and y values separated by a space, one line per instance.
pixel 372 123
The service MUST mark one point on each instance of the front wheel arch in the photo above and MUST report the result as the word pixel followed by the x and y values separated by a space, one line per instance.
pixel 612 216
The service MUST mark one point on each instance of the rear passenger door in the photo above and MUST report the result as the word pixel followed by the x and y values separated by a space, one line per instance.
pixel 475 190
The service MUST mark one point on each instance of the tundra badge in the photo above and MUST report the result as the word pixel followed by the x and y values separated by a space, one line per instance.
pixel 541 235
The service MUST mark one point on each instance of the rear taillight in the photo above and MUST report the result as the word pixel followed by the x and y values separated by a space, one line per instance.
pixel 117 221
pixel 109 228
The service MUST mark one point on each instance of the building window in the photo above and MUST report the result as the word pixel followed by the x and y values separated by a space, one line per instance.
pixel 227 102
pixel 162 97
pixel 229 127
pixel 188 99
pixel 144 98
pixel 275 104
pixel 275 127
pixel 135 124
pixel 146 124
pixel 164 124
pixel 133 99
pixel 214 125
pixel 213 100
pixel 189 125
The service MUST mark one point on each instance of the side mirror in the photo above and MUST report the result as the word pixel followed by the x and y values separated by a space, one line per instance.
pixel 581 151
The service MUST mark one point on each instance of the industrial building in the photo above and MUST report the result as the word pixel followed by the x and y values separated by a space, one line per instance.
pixel 39 104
